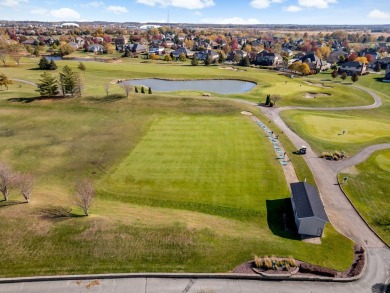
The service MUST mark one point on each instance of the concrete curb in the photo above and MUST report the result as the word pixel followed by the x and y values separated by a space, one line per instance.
pixel 369 227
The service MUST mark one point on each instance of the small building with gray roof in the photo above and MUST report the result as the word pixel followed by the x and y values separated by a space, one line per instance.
pixel 309 212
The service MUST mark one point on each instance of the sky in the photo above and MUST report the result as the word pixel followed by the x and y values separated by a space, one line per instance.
pixel 201 11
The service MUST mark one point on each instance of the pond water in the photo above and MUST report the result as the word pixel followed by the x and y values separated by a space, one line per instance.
pixel 222 86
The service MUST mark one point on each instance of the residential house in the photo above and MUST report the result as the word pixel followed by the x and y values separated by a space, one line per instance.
pixel 286 52
pixel 137 48
pixel 157 50
pixel 204 54
pixel 334 57
pixel 268 59
pixel 74 45
pixel 96 48
pixel 237 55
pixel 352 67
pixel 309 212
pixel 120 42
pixel 314 62
pixel 178 51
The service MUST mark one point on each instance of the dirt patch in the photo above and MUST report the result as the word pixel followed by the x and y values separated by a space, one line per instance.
pixel 315 95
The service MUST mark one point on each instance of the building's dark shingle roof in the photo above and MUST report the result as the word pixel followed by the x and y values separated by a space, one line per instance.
pixel 307 201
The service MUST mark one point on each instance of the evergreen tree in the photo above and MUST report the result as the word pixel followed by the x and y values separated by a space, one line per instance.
pixel 43 63
pixel 150 91
pixel 142 90
pixel 246 62
pixel 343 75
pixel 52 65
pixel 182 57
pixel 194 61
pixel 47 85
pixel 207 61
pixel 355 77
pixel 136 89
pixel 268 100
pixel 334 74
pixel 68 81
pixel 377 67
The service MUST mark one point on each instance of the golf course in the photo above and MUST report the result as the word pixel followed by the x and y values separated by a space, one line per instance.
pixel 184 182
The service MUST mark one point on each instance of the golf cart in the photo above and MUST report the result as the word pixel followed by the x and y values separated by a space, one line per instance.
pixel 302 150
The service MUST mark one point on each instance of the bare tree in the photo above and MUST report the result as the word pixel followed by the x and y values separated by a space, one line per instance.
pixel 275 98
pixel 127 88
pixel 107 88
pixel 16 58
pixel 6 179
pixel 25 184
pixel 85 193
pixel 3 57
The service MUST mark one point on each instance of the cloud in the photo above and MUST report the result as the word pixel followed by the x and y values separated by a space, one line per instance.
pixel 12 3
pixel 40 11
pixel 94 4
pixel 292 8
pixel 379 14
pixel 193 4
pixel 316 3
pixel 261 4
pixel 65 13
pixel 232 20
pixel 117 9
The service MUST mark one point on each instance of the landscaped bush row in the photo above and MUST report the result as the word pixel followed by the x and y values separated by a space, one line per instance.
pixel 272 263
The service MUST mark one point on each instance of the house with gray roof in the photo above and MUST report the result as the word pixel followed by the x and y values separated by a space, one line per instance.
pixel 309 212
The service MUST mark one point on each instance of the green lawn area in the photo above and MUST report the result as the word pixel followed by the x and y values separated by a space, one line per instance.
pixel 323 130
pixel 184 183
pixel 367 187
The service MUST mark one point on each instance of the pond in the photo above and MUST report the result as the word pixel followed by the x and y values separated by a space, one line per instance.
pixel 220 86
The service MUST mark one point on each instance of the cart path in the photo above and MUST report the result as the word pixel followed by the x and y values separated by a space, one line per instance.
pixel 24 81
pixel 341 213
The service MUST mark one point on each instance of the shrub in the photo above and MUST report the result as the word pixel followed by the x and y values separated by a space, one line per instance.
pixel 142 90
pixel 150 91
pixel 291 262
pixel 258 261
pixel 337 154
pixel 271 104
pixel 267 263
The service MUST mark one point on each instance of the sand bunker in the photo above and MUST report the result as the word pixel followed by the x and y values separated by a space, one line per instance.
pixel 318 84
pixel 246 113
pixel 315 95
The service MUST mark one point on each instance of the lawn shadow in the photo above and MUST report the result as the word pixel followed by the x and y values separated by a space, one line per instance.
pixel 4 203
pixel 30 100
pixel 107 99
pixel 57 213
pixel 280 218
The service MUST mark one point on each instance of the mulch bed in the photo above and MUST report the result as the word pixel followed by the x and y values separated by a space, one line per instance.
pixel 306 269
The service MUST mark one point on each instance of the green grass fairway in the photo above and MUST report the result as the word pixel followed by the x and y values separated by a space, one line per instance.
pixel 323 130
pixel 215 163
pixel 368 187
pixel 184 185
